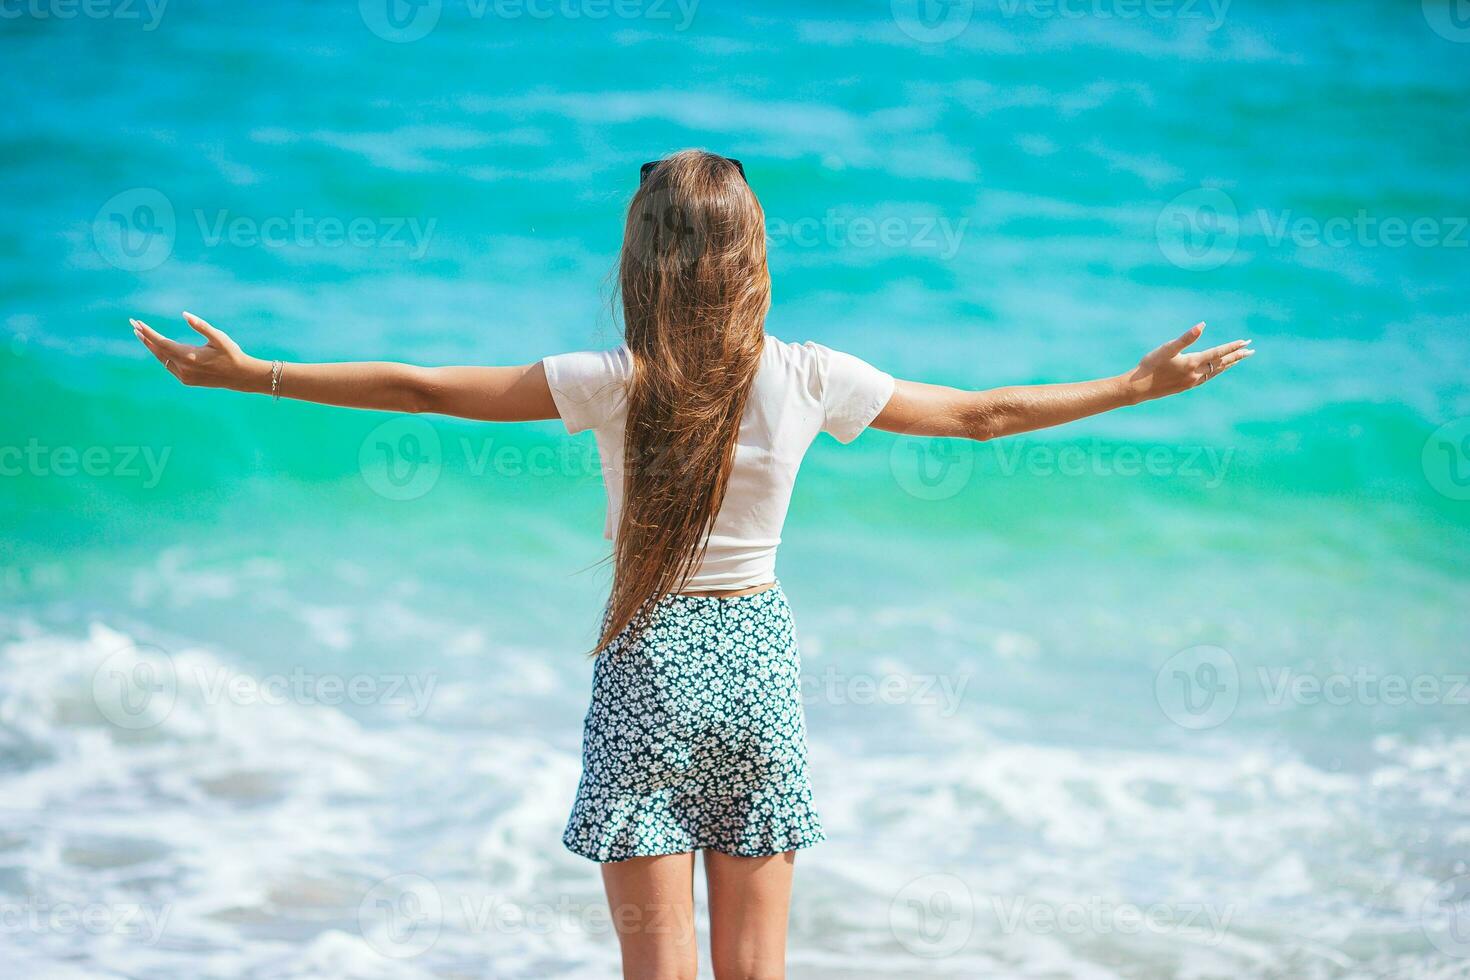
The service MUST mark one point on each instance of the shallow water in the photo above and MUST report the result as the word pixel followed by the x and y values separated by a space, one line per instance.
pixel 1177 692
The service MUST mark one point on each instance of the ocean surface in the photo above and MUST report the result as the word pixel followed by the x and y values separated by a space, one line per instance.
pixel 1177 692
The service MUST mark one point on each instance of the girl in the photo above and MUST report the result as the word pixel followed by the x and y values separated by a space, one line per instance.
pixel 695 738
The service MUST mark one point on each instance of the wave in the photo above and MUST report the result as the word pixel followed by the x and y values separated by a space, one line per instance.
pixel 290 839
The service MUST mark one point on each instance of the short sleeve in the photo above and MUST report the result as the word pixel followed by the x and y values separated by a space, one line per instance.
pixel 853 392
pixel 587 386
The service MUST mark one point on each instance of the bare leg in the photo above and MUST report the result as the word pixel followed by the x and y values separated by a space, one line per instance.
pixel 651 900
pixel 749 899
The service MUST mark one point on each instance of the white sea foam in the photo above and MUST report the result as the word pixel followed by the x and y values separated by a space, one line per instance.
pixel 298 840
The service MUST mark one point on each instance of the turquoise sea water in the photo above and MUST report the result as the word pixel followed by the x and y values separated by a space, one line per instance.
pixel 1175 692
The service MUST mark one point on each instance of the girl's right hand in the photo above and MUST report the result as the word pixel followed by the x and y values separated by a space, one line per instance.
pixel 218 363
pixel 1168 370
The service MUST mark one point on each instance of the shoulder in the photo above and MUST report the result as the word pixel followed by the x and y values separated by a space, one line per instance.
pixel 805 354
pixel 789 352
pixel 588 385
pixel 614 364
pixel 851 391
pixel 802 358
pixel 815 362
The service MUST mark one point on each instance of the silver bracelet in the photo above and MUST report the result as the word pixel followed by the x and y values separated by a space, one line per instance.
pixel 276 367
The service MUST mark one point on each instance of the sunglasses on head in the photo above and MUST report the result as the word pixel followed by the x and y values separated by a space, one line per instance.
pixel 647 168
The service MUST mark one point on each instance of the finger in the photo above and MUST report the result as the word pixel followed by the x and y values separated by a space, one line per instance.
pixel 1226 368
pixel 1215 353
pixel 162 356
pixel 1184 340
pixel 205 330
pixel 169 363
pixel 149 345
pixel 173 349
pixel 1234 358
pixel 1226 363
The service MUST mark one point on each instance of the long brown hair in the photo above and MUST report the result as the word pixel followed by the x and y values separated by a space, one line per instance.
pixel 695 290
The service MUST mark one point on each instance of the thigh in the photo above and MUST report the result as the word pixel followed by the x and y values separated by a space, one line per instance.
pixel 651 900
pixel 749 900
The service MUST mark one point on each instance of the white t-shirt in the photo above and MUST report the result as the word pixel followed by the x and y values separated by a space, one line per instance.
pixel 798 391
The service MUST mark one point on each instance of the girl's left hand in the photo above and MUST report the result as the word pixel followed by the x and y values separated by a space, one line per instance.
pixel 218 363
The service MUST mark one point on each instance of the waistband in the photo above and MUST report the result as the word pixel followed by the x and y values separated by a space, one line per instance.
pixel 754 600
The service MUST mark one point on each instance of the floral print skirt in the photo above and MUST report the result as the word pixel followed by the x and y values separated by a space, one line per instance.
pixel 696 736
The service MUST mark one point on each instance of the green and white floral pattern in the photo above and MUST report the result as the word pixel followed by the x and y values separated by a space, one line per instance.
pixel 696 736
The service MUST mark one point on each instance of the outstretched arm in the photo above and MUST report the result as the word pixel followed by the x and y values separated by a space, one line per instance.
pixel 490 394
pixel 934 410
